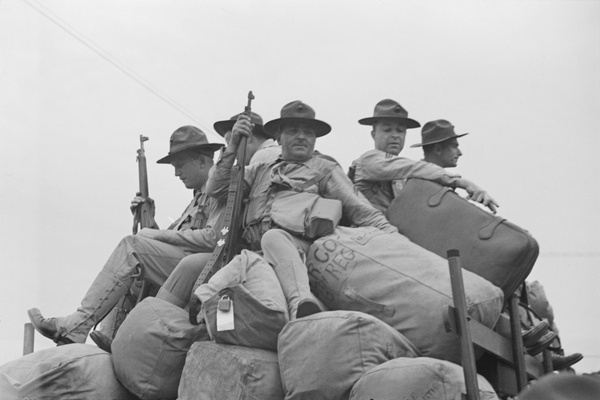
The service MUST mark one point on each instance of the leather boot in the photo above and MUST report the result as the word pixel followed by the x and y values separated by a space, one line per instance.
pixel 293 278
pixel 100 298
pixel 563 362
pixel 102 341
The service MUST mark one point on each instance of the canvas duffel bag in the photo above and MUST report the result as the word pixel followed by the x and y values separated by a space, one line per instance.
pixel 438 219
pixel 393 279
pixel 225 372
pixel 419 378
pixel 149 349
pixel 256 299
pixel 321 356
pixel 73 372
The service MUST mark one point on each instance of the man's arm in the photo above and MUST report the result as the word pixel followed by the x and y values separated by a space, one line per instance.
pixel 354 204
pixel 477 194
pixel 193 240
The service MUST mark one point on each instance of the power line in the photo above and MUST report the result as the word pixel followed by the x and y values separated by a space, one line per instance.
pixel 121 67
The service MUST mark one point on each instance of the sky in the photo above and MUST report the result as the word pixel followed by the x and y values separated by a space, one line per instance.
pixel 80 81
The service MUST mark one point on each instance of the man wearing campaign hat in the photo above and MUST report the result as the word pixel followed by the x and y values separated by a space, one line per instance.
pixel 297 170
pixel 440 143
pixel 155 252
pixel 260 147
pixel 380 173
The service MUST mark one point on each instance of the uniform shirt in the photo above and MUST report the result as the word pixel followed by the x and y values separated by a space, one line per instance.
pixel 379 176
pixel 268 151
pixel 195 230
pixel 258 189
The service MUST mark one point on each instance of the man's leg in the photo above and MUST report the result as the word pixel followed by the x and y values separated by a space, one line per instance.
pixel 112 283
pixel 177 289
pixel 286 254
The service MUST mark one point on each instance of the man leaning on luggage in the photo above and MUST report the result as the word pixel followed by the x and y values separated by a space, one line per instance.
pixel 440 147
pixel 380 173
pixel 156 251
pixel 296 171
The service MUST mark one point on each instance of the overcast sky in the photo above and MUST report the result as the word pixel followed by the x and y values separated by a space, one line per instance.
pixel 81 80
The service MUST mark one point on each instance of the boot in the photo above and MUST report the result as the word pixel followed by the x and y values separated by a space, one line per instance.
pixel 293 278
pixel 102 341
pixel 100 298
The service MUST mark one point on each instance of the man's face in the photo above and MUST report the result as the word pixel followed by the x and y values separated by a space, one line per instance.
pixel 449 153
pixel 191 169
pixel 389 136
pixel 297 142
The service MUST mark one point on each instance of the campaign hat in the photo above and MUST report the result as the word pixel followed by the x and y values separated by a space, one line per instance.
pixel 436 132
pixel 297 111
pixel 222 127
pixel 390 110
pixel 187 138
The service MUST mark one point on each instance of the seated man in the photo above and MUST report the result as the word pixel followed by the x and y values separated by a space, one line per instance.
pixel 380 173
pixel 296 131
pixel 440 147
pixel 156 251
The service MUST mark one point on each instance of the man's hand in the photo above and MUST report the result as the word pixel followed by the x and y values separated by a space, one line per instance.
pixel 137 200
pixel 242 127
pixel 478 195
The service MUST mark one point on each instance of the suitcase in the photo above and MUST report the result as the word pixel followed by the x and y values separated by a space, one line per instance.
pixel 438 219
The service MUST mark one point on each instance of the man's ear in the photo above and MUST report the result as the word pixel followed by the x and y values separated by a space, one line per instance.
pixel 437 149
pixel 373 132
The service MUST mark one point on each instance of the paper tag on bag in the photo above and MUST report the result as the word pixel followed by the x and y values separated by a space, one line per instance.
pixel 225 314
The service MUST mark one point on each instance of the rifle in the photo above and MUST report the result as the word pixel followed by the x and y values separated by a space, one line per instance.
pixel 144 214
pixel 228 245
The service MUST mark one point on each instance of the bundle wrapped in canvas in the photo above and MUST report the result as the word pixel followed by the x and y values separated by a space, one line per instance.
pixel 321 356
pixel 225 372
pixel 150 347
pixel 256 299
pixel 393 279
pixel 73 372
pixel 419 378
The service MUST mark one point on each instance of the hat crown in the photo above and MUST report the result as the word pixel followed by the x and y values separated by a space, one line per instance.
pixel 389 108
pixel 297 109
pixel 186 137
pixel 437 131
pixel 254 118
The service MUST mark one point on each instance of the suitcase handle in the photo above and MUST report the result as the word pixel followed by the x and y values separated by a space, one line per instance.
pixel 436 199
pixel 488 231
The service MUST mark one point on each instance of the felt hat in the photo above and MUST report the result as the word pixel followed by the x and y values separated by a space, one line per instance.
pixel 436 132
pixel 297 111
pixel 389 109
pixel 222 127
pixel 186 138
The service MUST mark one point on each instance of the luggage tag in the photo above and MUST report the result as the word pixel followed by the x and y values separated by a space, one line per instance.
pixel 225 314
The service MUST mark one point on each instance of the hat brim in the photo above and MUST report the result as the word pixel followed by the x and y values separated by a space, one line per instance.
pixel 408 122
pixel 437 141
pixel 222 127
pixel 209 148
pixel 321 128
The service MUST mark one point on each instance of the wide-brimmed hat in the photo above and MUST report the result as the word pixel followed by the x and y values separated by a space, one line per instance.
pixel 186 138
pixel 222 127
pixel 436 132
pixel 391 110
pixel 297 111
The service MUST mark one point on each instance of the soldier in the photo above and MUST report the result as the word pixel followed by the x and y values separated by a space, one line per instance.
pixel 296 131
pixel 380 173
pixel 155 251
pixel 261 146
pixel 440 143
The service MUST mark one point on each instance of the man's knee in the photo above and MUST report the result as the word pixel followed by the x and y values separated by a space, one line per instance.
pixel 274 237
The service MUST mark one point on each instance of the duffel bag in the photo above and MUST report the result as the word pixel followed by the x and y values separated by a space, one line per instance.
pixel 419 378
pixel 393 279
pixel 247 294
pixel 438 219
pixel 73 372
pixel 321 356
pixel 148 352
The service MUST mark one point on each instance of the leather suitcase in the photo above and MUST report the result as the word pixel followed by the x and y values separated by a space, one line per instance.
pixel 438 219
